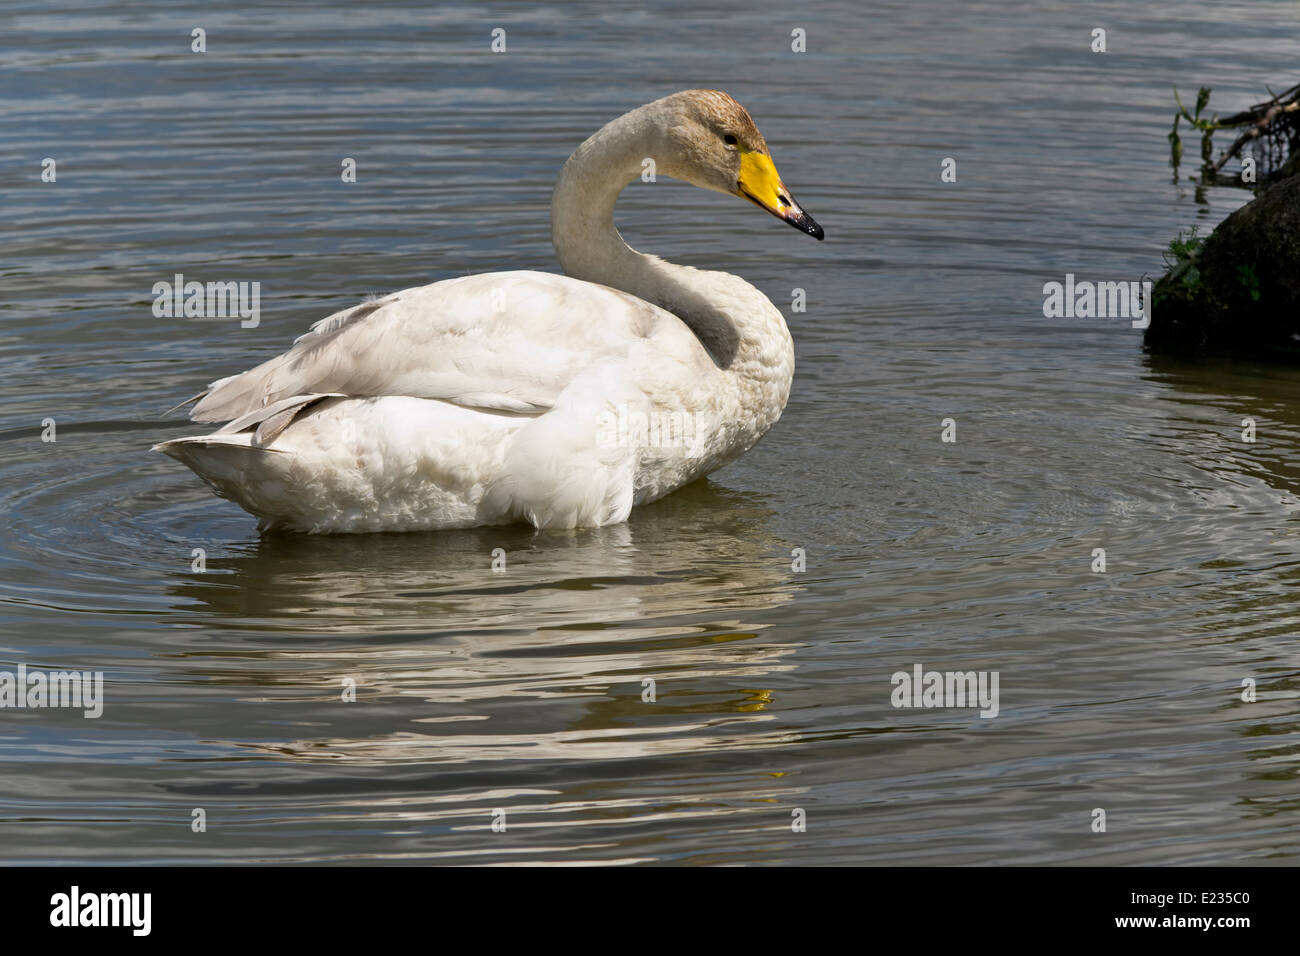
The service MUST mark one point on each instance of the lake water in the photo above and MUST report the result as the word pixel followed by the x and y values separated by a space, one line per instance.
pixel 523 691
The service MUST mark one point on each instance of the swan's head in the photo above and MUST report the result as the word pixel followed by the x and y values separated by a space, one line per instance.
pixel 714 144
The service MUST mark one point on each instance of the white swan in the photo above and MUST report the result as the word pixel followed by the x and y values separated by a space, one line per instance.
pixel 524 396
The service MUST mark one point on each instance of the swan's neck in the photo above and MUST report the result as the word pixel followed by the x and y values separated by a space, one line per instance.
pixel 741 329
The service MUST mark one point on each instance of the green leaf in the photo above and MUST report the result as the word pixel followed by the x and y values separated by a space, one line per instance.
pixel 1247 277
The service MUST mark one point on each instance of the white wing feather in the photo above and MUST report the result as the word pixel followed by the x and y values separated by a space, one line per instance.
pixel 504 341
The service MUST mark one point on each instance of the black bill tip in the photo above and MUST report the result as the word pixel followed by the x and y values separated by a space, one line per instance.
pixel 804 223
pixel 790 212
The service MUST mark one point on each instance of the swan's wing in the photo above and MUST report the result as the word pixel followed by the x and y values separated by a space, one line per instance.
pixel 507 341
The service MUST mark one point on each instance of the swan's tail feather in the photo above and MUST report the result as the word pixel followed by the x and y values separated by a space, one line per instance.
pixel 223 461
pixel 268 422
pixel 225 458
pixel 182 449
pixel 192 398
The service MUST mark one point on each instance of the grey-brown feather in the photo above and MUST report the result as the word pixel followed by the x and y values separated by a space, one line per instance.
pixel 268 422
pixel 237 395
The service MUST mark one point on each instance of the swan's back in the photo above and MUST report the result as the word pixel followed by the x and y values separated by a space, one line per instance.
pixel 505 341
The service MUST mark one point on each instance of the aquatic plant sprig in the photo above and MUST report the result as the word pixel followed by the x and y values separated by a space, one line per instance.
pixel 1272 125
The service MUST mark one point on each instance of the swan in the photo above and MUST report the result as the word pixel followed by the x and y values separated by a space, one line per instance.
pixel 506 397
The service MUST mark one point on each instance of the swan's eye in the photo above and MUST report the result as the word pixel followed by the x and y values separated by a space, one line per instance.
pixel 729 140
